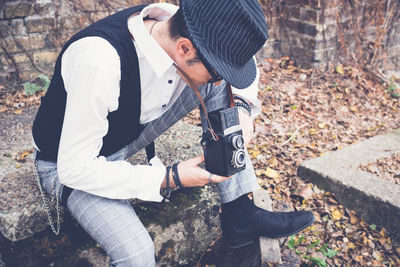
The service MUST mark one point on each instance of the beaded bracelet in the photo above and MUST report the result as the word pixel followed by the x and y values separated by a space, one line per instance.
pixel 168 192
pixel 244 106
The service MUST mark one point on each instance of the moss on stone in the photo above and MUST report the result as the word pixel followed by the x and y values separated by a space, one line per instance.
pixel 165 214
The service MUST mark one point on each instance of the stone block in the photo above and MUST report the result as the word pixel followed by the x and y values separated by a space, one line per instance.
pixel 326 44
pixel 4 28
pixel 5 64
pixel 375 199
pixel 43 8
pixel 323 55
pixel 331 3
pixel 86 5
pixel 20 58
pixel 306 43
pixel 326 32
pixel 18 9
pixel 44 57
pixel 311 3
pixel 292 12
pixel 303 53
pixel 10 79
pixel 330 15
pixel 57 40
pixel 39 24
pixel 74 23
pixel 17 26
pixel 309 14
pixel 11 27
pixel 301 27
pixel 394 51
pixel 23 43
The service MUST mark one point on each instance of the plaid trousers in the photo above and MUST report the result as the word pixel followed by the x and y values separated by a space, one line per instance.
pixel 114 223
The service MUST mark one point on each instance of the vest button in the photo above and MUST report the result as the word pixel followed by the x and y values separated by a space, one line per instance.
pixel 170 81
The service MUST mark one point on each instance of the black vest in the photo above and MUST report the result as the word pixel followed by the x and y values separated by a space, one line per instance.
pixel 124 123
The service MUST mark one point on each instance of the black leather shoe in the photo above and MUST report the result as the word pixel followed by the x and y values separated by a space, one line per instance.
pixel 242 225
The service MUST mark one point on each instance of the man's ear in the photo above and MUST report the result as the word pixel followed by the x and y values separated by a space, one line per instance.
pixel 185 49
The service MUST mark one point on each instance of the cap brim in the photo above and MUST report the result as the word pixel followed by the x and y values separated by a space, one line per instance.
pixel 239 77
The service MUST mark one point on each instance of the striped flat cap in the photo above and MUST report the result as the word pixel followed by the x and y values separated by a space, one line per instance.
pixel 227 33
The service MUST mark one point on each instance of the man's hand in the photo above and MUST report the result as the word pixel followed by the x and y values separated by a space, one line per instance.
pixel 246 122
pixel 191 175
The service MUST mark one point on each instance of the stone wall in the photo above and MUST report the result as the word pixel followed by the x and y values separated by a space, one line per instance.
pixel 319 33
pixel 315 33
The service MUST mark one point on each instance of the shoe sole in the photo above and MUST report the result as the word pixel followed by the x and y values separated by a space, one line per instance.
pixel 247 241
pixel 236 245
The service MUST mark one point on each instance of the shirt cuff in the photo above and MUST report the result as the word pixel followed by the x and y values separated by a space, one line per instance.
pixel 150 189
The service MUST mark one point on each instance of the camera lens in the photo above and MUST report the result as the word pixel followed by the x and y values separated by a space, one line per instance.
pixel 239 158
pixel 237 141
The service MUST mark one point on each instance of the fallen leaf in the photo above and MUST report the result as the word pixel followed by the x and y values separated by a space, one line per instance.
pixel 271 173
pixel 377 256
pixel 351 245
pixel 304 192
pixel 353 219
pixel 353 108
pixel 383 232
pixel 18 112
pixel 336 215
pixel 339 69
pixel 358 258
pixel 312 131
pixel 397 250
pixel 273 162
pixel 371 243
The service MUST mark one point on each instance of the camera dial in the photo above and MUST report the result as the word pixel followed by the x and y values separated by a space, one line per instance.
pixel 238 158
pixel 237 141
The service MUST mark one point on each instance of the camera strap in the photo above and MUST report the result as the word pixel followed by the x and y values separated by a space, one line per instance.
pixel 189 82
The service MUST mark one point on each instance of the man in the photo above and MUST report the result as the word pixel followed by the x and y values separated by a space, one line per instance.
pixel 116 88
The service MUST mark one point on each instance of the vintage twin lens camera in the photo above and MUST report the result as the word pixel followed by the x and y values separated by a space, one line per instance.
pixel 225 156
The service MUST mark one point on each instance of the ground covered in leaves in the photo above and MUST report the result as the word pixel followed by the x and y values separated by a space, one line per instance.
pixel 306 114
pixel 386 168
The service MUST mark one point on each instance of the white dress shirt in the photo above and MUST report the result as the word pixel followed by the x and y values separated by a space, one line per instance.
pixel 91 73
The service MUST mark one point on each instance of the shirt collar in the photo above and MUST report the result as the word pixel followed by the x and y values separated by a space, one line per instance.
pixel 158 59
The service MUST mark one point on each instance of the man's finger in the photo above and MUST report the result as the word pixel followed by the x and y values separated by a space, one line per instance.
pixel 217 178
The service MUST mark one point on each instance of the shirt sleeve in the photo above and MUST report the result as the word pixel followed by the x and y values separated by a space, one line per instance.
pixel 91 74
pixel 251 94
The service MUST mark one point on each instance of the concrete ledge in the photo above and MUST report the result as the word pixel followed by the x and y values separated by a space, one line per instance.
pixel 269 247
pixel 375 199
